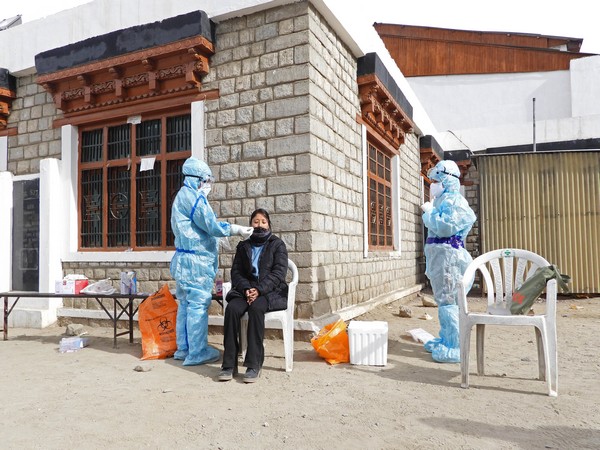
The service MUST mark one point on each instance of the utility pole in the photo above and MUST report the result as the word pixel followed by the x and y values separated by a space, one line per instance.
pixel 534 124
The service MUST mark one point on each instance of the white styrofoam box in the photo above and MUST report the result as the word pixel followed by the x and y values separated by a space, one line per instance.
pixel 368 342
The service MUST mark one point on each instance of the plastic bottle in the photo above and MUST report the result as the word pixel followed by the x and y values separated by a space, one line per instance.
pixel 72 344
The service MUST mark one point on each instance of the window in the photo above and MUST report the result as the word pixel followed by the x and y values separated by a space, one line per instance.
pixel 120 205
pixel 380 199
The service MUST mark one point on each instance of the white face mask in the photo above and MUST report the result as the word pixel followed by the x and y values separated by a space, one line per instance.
pixel 436 190
pixel 205 188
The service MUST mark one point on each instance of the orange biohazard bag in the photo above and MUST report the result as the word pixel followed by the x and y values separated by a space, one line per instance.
pixel 157 316
pixel 331 343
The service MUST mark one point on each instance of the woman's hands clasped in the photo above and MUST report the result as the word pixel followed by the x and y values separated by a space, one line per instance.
pixel 251 295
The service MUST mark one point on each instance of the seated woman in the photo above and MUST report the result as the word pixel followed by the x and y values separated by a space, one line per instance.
pixel 257 286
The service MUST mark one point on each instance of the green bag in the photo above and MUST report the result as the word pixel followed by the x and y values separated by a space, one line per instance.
pixel 529 292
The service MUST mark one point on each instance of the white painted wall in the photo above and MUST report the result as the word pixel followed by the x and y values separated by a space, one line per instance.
pixel 477 101
pixel 3 153
pixel 585 74
pixel 103 16
pixel 6 213
pixel 198 130
pixel 496 110
pixel 100 17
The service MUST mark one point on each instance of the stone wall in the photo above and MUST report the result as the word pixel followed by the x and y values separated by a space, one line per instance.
pixel 284 136
pixel 258 131
pixel 32 113
pixel 150 277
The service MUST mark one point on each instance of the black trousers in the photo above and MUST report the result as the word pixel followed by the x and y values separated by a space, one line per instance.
pixel 255 353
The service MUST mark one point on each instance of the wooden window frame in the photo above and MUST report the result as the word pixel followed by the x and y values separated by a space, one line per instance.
pixel 132 163
pixel 379 211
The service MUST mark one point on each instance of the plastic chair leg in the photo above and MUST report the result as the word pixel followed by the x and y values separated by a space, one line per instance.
pixel 480 349
pixel 541 350
pixel 552 359
pixel 288 344
pixel 244 335
pixel 465 348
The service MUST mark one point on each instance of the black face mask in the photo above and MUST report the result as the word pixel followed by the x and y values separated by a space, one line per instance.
pixel 260 236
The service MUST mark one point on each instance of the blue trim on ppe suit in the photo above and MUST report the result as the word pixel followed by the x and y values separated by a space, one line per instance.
pixel 451 217
pixel 194 264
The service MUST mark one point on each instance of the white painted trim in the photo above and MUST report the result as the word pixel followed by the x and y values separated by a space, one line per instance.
pixel 139 256
pixel 6 215
pixel 29 176
pixel 396 253
pixel 396 204
pixel 3 153
pixel 70 175
pixel 198 130
pixel 52 237
pixel 365 186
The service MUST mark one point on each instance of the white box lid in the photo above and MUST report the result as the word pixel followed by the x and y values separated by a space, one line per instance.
pixel 370 325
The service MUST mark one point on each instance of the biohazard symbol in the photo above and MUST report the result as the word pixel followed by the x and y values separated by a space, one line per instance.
pixel 518 298
pixel 164 324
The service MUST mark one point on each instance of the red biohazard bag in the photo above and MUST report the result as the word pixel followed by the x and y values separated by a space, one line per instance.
pixel 157 316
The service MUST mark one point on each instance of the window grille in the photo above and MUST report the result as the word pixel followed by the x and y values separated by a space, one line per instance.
pixel 380 199
pixel 120 206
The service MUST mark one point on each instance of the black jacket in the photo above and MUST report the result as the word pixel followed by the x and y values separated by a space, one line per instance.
pixel 272 268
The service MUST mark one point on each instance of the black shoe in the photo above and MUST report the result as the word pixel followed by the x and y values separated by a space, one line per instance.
pixel 251 375
pixel 226 374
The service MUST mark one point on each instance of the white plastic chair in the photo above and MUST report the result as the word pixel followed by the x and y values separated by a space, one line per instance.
pixel 509 269
pixel 281 319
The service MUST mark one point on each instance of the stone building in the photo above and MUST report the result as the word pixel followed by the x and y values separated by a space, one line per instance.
pixel 292 112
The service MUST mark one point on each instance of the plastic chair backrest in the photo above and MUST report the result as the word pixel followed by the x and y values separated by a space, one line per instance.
pixel 292 285
pixel 503 272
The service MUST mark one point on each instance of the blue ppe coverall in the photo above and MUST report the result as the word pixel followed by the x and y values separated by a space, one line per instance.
pixel 448 223
pixel 194 265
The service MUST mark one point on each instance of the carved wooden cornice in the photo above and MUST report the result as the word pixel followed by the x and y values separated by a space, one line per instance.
pixel 6 98
pixel 157 73
pixel 382 112
pixel 429 159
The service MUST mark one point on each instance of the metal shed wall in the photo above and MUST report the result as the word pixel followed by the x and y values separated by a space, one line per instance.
pixel 548 203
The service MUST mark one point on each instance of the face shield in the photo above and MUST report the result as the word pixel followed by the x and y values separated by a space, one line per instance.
pixel 439 172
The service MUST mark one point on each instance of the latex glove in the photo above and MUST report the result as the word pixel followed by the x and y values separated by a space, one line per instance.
pixel 427 207
pixel 245 232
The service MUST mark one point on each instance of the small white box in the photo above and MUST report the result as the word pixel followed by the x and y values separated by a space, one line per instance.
pixel 368 341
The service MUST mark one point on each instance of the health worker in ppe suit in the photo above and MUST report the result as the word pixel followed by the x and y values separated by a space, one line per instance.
pixel 194 265
pixel 448 219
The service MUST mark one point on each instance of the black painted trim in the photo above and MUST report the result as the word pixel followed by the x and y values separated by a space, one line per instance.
pixel 125 41
pixel 560 146
pixel 371 64
pixel 7 81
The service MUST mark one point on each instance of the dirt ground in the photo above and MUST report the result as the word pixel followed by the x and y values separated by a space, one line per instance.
pixel 94 398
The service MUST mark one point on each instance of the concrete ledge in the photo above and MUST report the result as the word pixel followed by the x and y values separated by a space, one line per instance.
pixel 305 325
pixel 31 318
pixel 356 310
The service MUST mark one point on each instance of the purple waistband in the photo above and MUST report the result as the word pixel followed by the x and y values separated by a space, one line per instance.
pixel 455 241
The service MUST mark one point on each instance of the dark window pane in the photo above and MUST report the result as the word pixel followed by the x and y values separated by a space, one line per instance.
pixel 179 133
pixel 91 146
pixel 148 138
pixel 174 182
pixel 148 207
pixel 119 142
pixel 118 207
pixel 91 208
